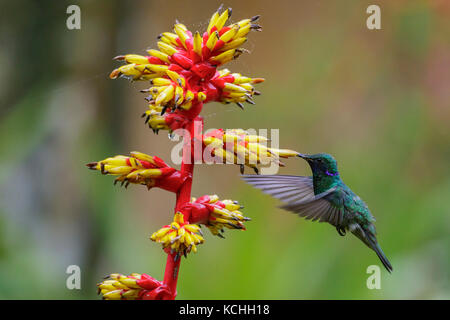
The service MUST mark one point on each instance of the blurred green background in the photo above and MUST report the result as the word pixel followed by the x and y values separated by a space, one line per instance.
pixel 377 100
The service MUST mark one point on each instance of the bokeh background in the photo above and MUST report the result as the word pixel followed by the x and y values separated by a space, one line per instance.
pixel 377 100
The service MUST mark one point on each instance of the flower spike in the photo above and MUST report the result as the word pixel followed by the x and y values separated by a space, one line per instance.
pixel 185 71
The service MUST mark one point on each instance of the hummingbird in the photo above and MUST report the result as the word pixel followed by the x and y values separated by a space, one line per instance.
pixel 324 197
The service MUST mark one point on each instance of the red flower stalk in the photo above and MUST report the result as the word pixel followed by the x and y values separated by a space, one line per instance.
pixel 183 76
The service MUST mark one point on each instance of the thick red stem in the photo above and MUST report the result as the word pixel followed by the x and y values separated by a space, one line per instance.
pixel 183 196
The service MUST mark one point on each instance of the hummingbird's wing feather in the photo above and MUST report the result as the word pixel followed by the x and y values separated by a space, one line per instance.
pixel 320 209
pixel 334 215
pixel 285 188
pixel 298 193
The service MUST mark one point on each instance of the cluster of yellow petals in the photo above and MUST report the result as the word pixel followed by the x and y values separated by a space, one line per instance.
pixel 239 147
pixel 120 287
pixel 138 168
pixel 225 214
pixel 178 236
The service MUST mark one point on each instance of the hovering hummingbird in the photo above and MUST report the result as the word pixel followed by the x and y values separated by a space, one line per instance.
pixel 323 197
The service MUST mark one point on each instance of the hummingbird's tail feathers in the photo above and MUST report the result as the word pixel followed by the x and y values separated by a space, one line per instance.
pixel 366 236
pixel 376 247
pixel 283 187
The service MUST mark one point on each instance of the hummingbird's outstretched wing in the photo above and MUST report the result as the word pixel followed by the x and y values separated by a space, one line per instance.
pixel 298 193
pixel 285 188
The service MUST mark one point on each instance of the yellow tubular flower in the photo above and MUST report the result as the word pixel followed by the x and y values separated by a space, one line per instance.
pixel 235 87
pixel 158 54
pixel 154 119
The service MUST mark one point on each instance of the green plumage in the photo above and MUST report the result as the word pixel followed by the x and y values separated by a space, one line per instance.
pixel 324 197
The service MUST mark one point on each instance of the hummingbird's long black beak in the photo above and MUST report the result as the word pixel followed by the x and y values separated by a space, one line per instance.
pixel 303 156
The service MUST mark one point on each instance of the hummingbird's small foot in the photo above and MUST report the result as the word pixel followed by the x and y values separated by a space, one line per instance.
pixel 341 230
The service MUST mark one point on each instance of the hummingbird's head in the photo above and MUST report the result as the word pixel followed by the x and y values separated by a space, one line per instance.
pixel 321 163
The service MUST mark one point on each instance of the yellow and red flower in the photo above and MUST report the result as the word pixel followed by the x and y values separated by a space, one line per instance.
pixel 239 147
pixel 133 287
pixel 180 237
pixel 184 233
pixel 157 120
pixel 215 214
pixel 140 168
pixel 183 72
